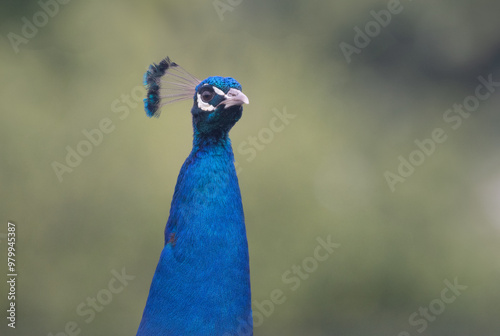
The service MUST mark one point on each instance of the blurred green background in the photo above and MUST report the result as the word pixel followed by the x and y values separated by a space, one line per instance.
pixel 320 174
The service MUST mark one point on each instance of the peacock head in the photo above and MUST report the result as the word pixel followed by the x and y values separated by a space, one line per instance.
pixel 217 100
pixel 217 105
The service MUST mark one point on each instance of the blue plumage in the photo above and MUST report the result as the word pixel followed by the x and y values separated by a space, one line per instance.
pixel 202 282
pixel 166 82
pixel 151 82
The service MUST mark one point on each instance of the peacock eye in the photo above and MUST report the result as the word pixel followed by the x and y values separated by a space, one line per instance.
pixel 206 94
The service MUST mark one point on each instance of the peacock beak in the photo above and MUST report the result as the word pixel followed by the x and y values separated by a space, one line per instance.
pixel 234 97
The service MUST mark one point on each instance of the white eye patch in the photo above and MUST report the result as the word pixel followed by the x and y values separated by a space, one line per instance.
pixel 218 91
pixel 202 105
pixel 206 106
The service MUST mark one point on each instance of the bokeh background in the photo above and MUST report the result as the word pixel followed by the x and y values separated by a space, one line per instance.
pixel 321 174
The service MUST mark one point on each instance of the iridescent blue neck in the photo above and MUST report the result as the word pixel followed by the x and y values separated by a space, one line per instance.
pixel 219 144
pixel 202 282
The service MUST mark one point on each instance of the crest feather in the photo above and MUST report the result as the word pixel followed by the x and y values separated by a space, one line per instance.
pixel 167 82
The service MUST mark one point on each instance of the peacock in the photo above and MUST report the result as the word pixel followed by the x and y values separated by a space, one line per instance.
pixel 201 285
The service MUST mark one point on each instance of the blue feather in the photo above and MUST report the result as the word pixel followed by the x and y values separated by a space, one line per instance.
pixel 201 285
pixel 166 82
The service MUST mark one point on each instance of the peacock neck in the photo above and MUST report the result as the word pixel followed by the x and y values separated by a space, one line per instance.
pixel 207 191
pixel 218 143
pixel 202 283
